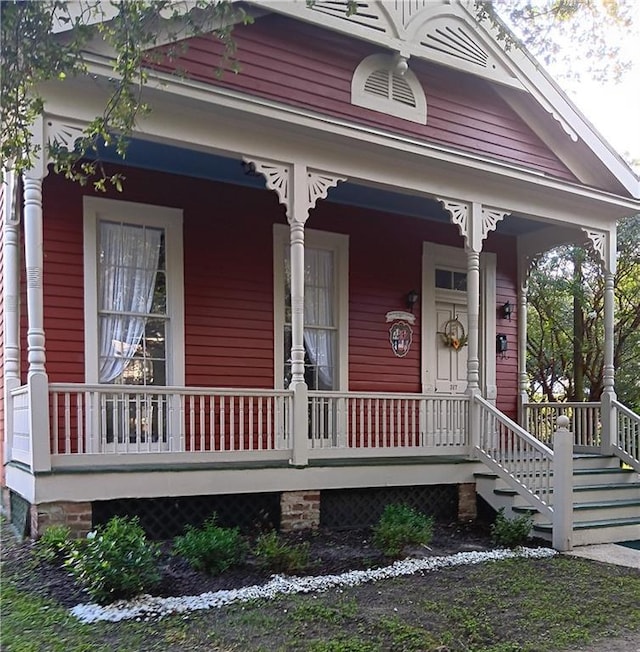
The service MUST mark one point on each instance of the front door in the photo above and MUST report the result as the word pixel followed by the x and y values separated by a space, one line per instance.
pixel 450 347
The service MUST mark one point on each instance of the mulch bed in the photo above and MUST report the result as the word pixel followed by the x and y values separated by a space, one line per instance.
pixel 330 552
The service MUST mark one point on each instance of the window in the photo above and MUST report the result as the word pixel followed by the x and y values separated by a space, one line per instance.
pixel 377 85
pixel 451 280
pixel 325 309
pixel 134 324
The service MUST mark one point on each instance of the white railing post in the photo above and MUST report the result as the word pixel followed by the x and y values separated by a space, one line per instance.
pixel 563 486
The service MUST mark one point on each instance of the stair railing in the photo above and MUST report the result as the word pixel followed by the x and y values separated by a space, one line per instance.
pixel 524 462
pixel 626 441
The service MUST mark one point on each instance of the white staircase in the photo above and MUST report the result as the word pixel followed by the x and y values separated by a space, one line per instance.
pixel 606 501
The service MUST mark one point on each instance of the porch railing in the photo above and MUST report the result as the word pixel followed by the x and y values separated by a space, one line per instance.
pixel 540 419
pixel 130 419
pixel 627 441
pixel 525 462
pixel 377 423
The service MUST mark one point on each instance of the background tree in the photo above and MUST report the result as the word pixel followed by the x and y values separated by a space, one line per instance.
pixel 563 347
pixel 43 40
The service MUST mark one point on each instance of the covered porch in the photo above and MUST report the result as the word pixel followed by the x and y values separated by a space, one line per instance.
pixel 66 438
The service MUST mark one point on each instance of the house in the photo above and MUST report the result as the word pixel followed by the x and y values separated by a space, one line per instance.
pixel 310 294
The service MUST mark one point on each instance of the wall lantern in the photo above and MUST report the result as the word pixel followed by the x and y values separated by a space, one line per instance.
pixel 507 309
pixel 412 298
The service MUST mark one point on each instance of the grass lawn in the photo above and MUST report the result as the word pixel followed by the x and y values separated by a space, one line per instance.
pixel 508 606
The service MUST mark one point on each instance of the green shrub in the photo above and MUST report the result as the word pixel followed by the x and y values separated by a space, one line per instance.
pixel 279 556
pixel 54 544
pixel 116 561
pixel 211 548
pixel 399 526
pixel 510 532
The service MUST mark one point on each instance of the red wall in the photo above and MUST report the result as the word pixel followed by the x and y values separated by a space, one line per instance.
pixel 228 271
pixel 305 66
pixel 2 200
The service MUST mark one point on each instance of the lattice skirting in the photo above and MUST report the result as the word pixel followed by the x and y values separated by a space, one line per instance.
pixel 164 518
pixel 354 508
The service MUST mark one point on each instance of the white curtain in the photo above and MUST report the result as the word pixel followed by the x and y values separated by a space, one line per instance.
pixel 127 274
pixel 319 315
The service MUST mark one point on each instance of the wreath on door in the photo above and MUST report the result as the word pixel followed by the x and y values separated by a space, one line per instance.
pixel 453 334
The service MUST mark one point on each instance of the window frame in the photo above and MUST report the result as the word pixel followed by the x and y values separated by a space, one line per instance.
pixel 338 243
pixel 171 220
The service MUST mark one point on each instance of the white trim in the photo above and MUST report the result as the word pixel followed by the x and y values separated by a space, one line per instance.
pixel 339 244
pixel 240 134
pixel 433 256
pixel 146 214
pixel 384 101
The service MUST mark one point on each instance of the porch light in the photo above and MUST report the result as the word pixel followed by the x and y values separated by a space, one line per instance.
pixel 412 298
pixel 507 309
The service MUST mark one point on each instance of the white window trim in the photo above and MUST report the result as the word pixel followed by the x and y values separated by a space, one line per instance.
pixel 442 256
pixel 339 244
pixel 359 97
pixel 170 219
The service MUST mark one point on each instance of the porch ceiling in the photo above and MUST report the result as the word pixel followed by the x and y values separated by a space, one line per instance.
pixel 161 157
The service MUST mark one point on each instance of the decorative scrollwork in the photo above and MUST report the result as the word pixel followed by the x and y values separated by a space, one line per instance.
pixel 318 185
pixel 459 212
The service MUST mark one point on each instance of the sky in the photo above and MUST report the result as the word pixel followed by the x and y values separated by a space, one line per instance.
pixel 613 107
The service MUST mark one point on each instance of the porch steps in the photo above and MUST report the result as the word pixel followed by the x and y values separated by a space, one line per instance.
pixel 606 501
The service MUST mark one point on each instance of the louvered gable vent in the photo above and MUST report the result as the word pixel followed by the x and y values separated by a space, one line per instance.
pixel 376 85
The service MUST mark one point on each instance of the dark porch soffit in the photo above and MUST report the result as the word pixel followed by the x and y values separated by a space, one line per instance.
pixel 159 157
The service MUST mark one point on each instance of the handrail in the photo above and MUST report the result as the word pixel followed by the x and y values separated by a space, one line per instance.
pixel 524 462
pixel 627 439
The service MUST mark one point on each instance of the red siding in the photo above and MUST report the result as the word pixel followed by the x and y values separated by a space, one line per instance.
pixel 506 290
pixel 309 67
pixel 2 200
pixel 229 282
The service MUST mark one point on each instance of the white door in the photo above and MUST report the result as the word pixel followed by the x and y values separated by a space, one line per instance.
pixel 450 362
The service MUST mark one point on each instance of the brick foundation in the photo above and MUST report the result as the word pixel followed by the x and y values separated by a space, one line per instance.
pixel 299 510
pixel 467 502
pixel 76 516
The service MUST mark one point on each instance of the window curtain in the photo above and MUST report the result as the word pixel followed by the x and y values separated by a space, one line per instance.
pixel 127 275
pixel 319 315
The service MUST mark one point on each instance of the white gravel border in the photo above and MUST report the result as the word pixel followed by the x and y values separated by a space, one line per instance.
pixel 146 607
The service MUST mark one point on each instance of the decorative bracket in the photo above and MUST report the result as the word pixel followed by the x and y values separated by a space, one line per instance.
pixel 318 185
pixel 276 177
pixel 467 221
pixel 459 213
pixel 604 245
pixel 490 219
pixel 286 181
pixel 62 133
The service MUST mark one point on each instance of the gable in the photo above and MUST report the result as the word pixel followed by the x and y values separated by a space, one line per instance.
pixel 311 68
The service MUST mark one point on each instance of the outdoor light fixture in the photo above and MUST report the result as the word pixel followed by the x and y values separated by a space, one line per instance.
pixel 507 309
pixel 412 298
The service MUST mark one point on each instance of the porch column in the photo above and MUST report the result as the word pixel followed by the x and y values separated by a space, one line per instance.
pixel 605 245
pixel 298 188
pixel 11 300
pixel 37 376
pixel 523 380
